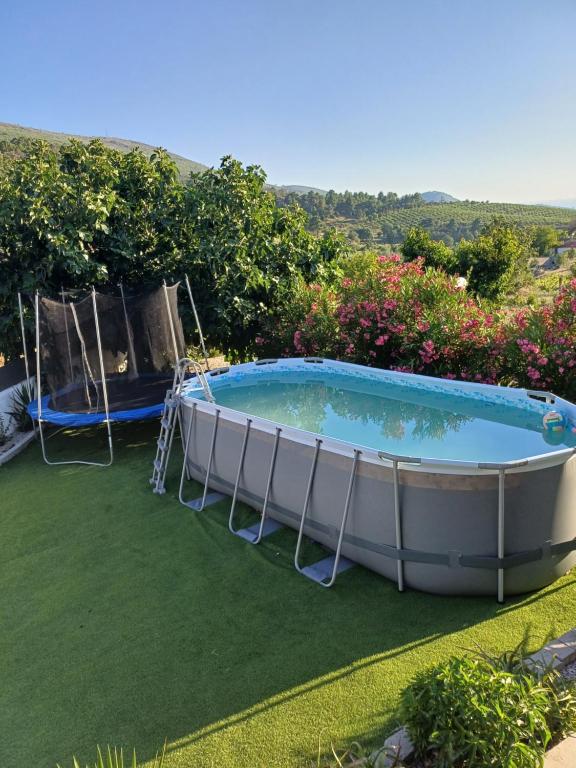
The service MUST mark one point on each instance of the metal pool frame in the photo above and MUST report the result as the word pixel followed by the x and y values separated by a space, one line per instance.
pixel 219 462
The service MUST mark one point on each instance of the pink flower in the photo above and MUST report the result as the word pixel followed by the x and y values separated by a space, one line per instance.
pixel 381 340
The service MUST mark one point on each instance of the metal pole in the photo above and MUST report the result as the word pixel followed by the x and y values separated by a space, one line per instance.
pixel 103 375
pixel 209 467
pixel 24 347
pixel 39 379
pixel 501 487
pixel 67 333
pixel 306 504
pixel 327 584
pixel 185 461
pixel 132 366
pixel 398 525
pixel 258 538
pixel 172 331
pixel 197 319
pixel 238 476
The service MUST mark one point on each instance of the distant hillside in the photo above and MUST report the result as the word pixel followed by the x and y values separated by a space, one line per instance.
pixel 570 203
pixel 9 131
pixel 438 197
pixel 297 189
pixel 444 221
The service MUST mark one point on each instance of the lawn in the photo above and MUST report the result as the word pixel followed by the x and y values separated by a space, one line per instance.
pixel 129 619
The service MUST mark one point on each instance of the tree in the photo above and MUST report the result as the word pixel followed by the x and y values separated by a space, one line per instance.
pixel 496 260
pixel 85 214
pixel 419 244
pixel 545 239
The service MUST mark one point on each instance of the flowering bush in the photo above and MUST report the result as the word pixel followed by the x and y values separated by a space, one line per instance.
pixel 541 345
pixel 380 311
pixel 377 310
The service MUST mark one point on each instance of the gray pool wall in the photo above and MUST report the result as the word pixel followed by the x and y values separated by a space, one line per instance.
pixel 444 512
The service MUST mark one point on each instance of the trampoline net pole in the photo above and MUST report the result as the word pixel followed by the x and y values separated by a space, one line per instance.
pixel 67 334
pixel 132 363
pixel 171 321
pixel 103 374
pixel 197 321
pixel 24 347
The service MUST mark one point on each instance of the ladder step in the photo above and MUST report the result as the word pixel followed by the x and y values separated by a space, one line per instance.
pixel 251 533
pixel 322 570
pixel 158 465
pixel 162 444
pixel 211 498
pixel 166 423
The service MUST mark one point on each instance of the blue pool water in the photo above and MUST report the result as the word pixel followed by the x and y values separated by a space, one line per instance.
pixel 392 417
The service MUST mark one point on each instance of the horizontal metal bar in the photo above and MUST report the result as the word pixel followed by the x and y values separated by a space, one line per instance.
pixel 536 394
pixel 502 464
pixel 398 458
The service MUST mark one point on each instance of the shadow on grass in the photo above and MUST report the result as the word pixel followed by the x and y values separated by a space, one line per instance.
pixel 128 619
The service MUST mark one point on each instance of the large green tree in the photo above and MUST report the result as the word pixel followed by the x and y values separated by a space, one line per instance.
pixel 85 214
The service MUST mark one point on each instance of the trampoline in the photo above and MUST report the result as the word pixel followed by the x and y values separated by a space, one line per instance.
pixel 105 358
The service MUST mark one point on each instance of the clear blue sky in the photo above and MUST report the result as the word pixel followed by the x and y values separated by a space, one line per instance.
pixel 473 97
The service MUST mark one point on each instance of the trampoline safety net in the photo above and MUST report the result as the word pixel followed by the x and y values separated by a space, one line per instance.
pixel 141 340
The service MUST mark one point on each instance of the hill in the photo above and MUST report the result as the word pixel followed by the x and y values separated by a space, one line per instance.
pixel 444 221
pixel 10 131
pixel 438 197
pixel 297 189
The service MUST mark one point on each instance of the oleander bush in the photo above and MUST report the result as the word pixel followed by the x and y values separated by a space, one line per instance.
pixel 479 711
pixel 378 310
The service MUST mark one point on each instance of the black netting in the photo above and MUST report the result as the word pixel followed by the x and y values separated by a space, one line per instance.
pixel 139 344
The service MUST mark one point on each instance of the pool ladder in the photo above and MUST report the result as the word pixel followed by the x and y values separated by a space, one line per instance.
pixel 171 415
pixel 323 572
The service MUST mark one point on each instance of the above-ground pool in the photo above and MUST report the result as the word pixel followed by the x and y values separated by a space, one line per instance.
pixel 443 486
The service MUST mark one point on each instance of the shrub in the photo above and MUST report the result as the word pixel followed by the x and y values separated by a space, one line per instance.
pixel 379 311
pixel 18 411
pixel 419 245
pixel 3 433
pixel 497 260
pixel 478 711
pixel 114 758
pixel 540 345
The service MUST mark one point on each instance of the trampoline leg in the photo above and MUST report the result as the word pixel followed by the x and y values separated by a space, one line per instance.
pixel 76 461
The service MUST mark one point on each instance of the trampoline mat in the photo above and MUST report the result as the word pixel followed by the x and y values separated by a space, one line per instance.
pixel 129 400
pixel 124 394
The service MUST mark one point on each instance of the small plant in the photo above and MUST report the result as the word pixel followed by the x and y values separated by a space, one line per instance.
pixel 114 758
pixel 19 409
pixel 482 711
pixel 3 433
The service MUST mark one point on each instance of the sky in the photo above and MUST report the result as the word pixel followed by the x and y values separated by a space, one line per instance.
pixel 476 98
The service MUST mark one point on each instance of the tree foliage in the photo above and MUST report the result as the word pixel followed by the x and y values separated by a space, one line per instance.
pixel 85 214
pixel 419 244
pixel 495 261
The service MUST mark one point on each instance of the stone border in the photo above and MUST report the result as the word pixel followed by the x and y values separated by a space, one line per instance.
pixel 16 443
pixel 556 654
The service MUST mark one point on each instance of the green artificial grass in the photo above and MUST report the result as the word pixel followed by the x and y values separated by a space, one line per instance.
pixel 129 619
